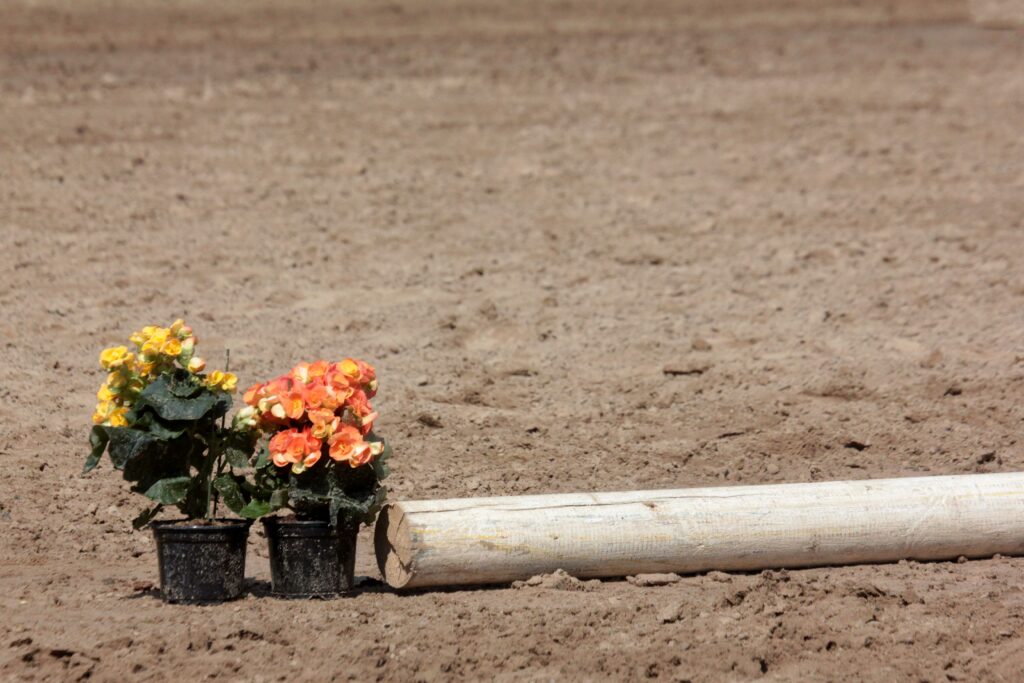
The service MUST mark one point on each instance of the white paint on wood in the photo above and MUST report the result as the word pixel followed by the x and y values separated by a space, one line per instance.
pixel 498 540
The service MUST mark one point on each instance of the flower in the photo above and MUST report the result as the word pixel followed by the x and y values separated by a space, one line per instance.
pixel 196 365
pixel 253 394
pixel 305 372
pixel 325 422
pixel 103 411
pixel 360 413
pixel 299 449
pixel 318 395
pixel 142 336
pixel 110 414
pixel 246 418
pixel 287 405
pixel 171 347
pixel 117 418
pixel 322 402
pixel 347 445
pixel 115 357
pixel 225 381
pixel 155 341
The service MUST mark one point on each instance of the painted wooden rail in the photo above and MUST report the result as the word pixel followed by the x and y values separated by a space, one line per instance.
pixel 498 540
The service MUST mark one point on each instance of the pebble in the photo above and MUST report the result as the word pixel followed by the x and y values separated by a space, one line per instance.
pixel 670 614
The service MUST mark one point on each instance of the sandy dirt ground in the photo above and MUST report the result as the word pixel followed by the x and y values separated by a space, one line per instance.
pixel 525 213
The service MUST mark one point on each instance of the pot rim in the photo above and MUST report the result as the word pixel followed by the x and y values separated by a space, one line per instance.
pixel 293 521
pixel 223 524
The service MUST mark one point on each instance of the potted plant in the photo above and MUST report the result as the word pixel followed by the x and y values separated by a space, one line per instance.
pixel 324 463
pixel 162 422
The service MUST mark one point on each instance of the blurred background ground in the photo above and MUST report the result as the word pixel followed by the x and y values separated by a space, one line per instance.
pixel 588 245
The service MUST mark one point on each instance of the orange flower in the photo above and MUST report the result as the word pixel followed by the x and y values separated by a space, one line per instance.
pixel 359 374
pixel 279 447
pixel 360 413
pixel 299 449
pixel 325 422
pixel 292 405
pixel 367 374
pixel 350 368
pixel 316 396
pixel 347 445
pixel 253 394
pixel 307 372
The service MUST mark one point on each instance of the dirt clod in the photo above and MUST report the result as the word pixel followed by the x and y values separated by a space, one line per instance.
pixel 653 579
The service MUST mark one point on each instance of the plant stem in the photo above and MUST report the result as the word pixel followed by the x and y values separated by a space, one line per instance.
pixel 216 494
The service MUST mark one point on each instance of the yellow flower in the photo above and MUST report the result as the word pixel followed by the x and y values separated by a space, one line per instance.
pixel 116 380
pixel 225 381
pixel 196 365
pixel 103 411
pixel 115 357
pixel 117 418
pixel 139 338
pixel 105 394
pixel 147 368
pixel 176 326
pixel 172 348
pixel 154 343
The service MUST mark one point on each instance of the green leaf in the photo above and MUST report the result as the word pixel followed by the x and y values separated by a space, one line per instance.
pixel 183 384
pixel 161 429
pixel 255 509
pixel 146 516
pixel 238 446
pixel 230 491
pixel 262 457
pixel 98 439
pixel 169 491
pixel 127 445
pixel 180 396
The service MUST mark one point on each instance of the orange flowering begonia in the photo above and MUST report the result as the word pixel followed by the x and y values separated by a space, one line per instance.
pixel 315 404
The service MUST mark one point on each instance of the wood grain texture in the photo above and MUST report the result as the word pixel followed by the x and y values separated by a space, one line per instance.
pixel 497 540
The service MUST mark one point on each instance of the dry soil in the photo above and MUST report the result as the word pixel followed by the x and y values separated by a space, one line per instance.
pixel 588 244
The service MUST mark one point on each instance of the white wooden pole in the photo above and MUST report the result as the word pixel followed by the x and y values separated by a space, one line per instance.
pixel 498 540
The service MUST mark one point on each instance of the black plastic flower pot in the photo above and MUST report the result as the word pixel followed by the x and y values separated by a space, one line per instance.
pixel 310 558
pixel 201 562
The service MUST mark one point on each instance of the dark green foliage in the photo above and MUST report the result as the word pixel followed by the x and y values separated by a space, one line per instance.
pixel 169 491
pixel 180 396
pixel 238 446
pixel 175 449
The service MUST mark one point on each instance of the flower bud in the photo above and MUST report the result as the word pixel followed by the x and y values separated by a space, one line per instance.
pixel 196 365
pixel 246 418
